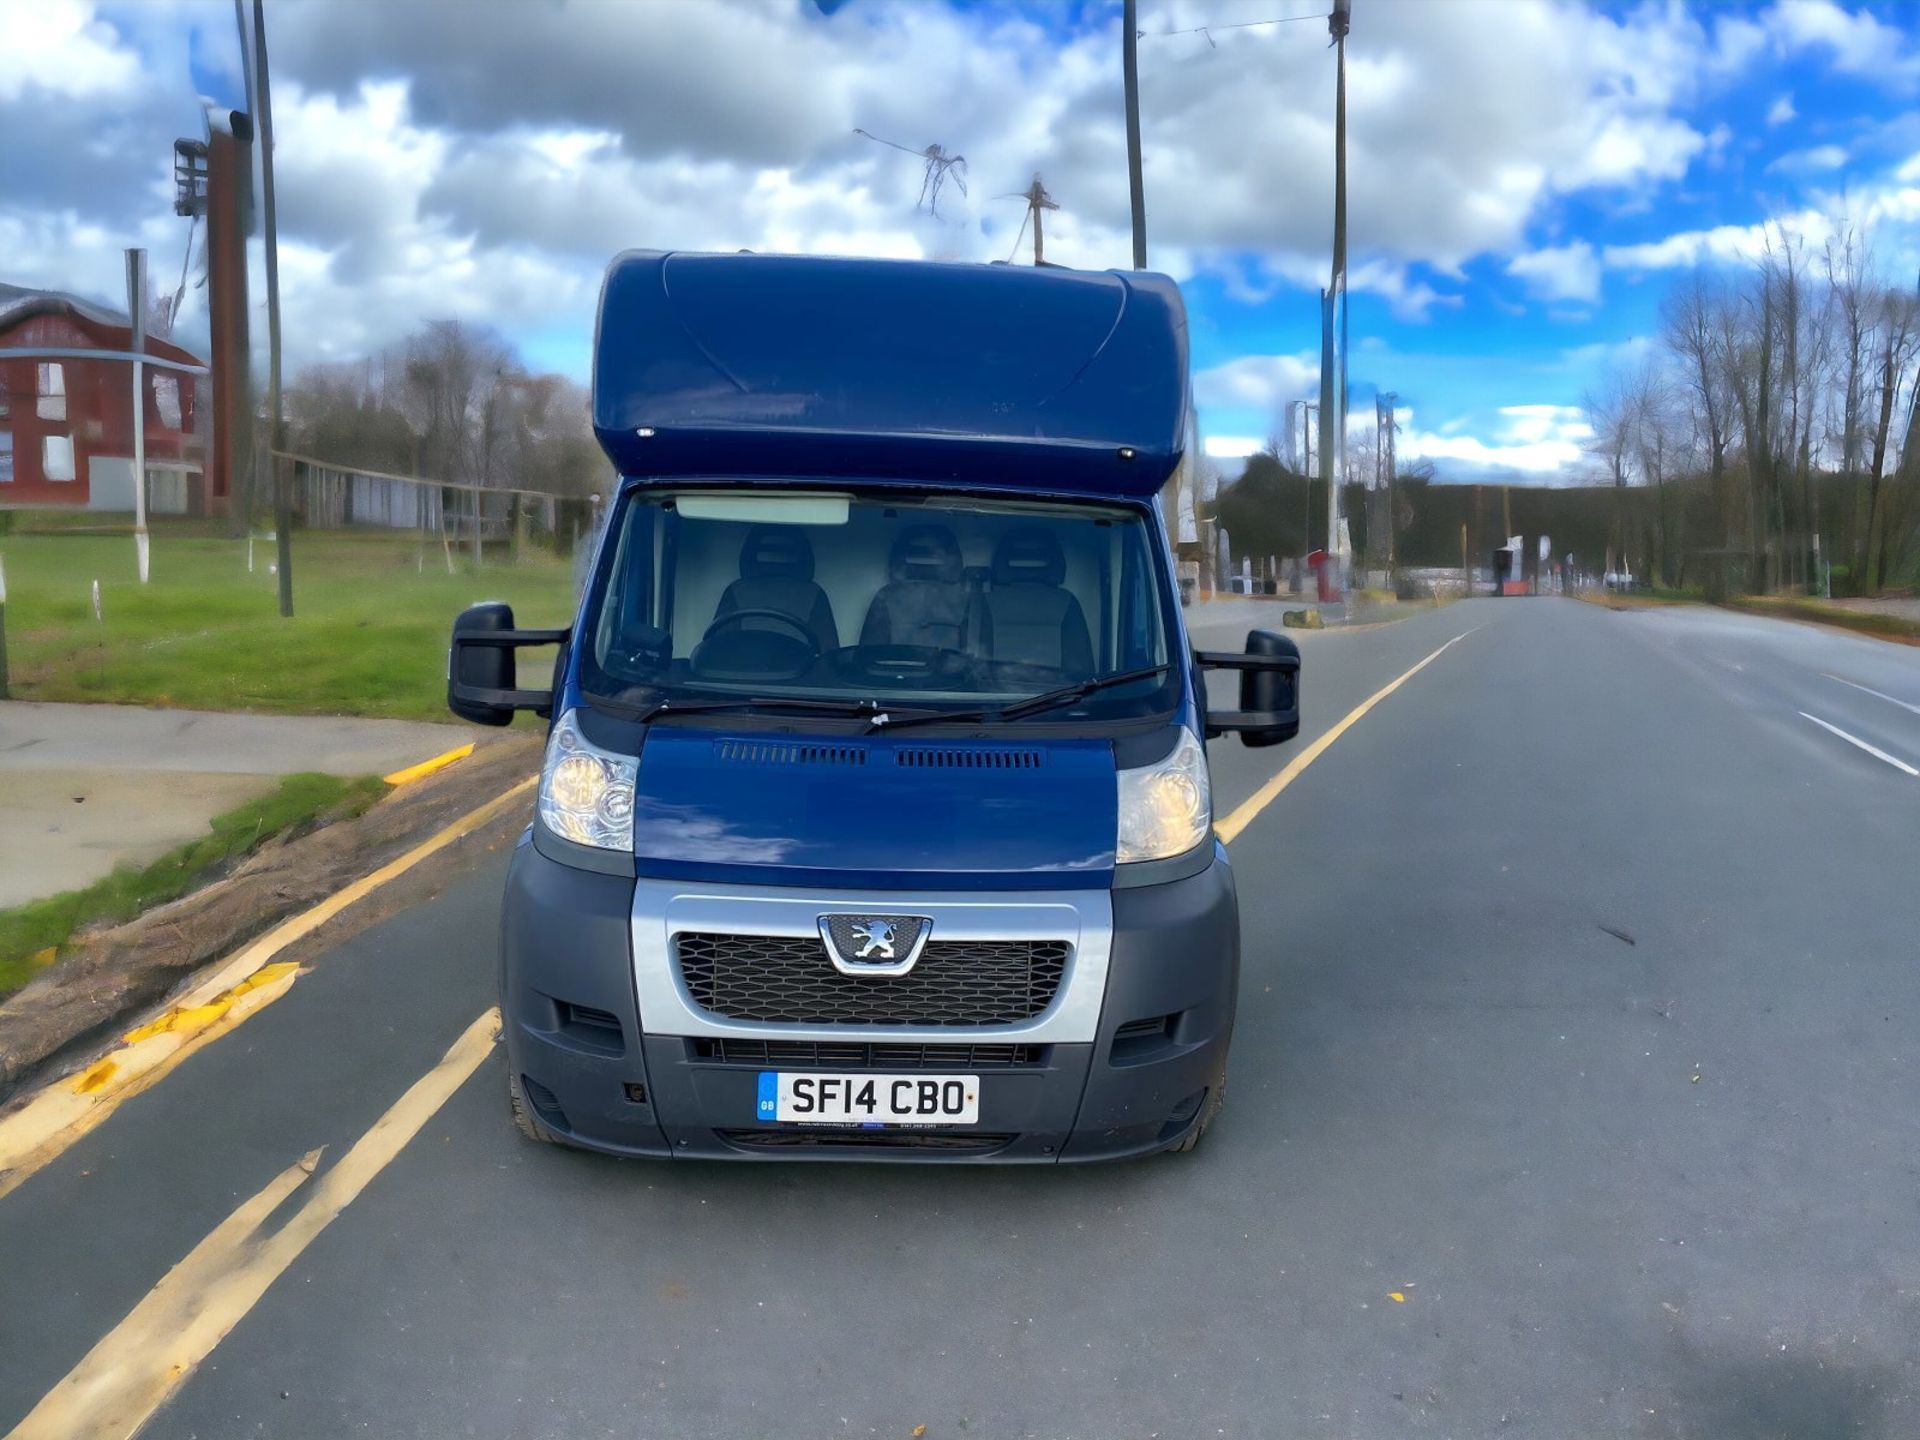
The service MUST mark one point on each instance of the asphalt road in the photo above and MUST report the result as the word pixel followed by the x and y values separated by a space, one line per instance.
pixel 1579 1004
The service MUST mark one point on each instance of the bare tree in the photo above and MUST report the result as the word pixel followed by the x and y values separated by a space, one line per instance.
pixel 1693 326
pixel 1657 435
pixel 1897 338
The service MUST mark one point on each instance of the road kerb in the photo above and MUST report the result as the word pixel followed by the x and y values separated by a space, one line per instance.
pixel 429 767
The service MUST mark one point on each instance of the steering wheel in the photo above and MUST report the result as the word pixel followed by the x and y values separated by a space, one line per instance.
pixel 897 663
pixel 733 619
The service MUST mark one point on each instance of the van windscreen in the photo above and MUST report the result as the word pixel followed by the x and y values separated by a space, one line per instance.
pixel 923 603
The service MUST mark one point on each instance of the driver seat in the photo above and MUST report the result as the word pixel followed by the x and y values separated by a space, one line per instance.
pixel 776 573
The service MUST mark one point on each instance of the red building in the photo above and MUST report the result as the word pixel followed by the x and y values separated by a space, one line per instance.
pixel 66 421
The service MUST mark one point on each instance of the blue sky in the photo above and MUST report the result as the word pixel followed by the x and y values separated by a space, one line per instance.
pixel 1529 176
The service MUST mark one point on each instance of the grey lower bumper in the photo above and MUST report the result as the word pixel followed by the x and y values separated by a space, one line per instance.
pixel 574 1032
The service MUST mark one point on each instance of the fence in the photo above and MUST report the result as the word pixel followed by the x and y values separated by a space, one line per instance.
pixel 330 496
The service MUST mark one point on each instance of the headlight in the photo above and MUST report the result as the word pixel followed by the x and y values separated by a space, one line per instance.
pixel 586 794
pixel 1165 808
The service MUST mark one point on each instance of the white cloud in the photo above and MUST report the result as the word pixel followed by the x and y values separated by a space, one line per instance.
pixel 56 47
pixel 1538 441
pixel 489 170
pixel 1737 42
pixel 1888 210
pixel 1813 160
pixel 1259 382
pixel 1781 111
pixel 1722 244
pixel 1608 354
pixel 1233 447
pixel 1563 272
pixel 1855 42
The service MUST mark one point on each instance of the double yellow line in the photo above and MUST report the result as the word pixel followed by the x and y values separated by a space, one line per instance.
pixel 125 1378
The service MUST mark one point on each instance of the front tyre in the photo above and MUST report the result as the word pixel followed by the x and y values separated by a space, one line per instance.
pixel 524 1120
pixel 1210 1107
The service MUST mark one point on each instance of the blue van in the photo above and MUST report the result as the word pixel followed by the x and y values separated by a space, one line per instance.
pixel 874 821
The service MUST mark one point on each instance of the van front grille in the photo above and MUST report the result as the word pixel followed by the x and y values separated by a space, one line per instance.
pixel 857 1055
pixel 788 978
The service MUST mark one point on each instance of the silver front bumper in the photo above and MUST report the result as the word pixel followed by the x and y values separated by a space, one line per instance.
pixel 662 909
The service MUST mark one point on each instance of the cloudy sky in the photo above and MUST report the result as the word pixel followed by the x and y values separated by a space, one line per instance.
pixel 1526 175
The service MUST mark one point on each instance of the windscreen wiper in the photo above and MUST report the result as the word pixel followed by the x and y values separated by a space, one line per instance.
pixel 1067 694
pixel 1018 709
pixel 674 705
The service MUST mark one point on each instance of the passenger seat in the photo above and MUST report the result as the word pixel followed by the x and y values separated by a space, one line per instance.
pixel 1032 618
pixel 925 600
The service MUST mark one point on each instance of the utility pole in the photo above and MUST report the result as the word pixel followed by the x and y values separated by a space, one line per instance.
pixel 1333 298
pixel 1309 419
pixel 1037 200
pixel 282 508
pixel 137 321
pixel 1130 68
pixel 1386 407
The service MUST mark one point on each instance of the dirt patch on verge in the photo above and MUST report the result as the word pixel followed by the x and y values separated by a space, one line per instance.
pixel 1875 623
pixel 1612 600
pixel 112 974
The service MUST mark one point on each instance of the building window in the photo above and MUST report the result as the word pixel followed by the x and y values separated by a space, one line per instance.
pixel 53 391
pixel 6 457
pixel 56 457
pixel 166 400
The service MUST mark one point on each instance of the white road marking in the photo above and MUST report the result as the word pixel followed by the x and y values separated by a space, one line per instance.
pixel 1873 750
pixel 1871 691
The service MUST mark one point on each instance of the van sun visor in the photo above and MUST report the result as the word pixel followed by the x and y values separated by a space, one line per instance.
pixel 788 366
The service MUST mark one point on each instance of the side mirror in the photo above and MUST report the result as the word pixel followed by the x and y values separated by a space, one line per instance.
pixel 1269 712
pixel 480 666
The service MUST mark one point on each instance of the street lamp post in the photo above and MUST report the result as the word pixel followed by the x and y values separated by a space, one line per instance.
pixel 282 504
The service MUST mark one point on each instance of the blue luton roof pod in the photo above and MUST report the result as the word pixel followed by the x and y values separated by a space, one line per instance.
pixel 777 366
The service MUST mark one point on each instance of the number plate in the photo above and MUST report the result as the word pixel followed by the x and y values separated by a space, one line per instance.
pixel 814 1099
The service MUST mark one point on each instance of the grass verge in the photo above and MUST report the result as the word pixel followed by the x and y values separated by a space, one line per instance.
pixel 32 935
pixel 1780 607
pixel 368 636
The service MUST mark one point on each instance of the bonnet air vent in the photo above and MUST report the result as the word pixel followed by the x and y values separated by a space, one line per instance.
pixel 930 757
pixel 776 752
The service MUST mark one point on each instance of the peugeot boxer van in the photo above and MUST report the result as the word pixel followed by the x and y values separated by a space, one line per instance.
pixel 875 818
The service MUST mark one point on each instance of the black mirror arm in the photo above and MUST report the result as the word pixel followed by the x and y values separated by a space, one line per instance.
pixel 1240 660
pixel 1258 722
pixel 514 638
